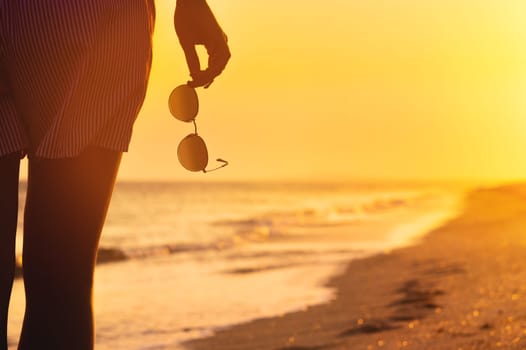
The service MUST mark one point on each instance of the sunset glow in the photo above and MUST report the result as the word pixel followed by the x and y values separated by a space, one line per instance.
pixel 343 90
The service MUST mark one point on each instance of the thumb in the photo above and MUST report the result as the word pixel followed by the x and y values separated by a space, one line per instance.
pixel 192 59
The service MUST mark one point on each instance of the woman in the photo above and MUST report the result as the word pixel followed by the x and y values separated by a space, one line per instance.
pixel 73 76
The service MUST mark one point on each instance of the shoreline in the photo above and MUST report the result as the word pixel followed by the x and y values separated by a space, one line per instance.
pixel 462 285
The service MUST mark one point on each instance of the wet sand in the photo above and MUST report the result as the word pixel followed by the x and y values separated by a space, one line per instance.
pixel 461 287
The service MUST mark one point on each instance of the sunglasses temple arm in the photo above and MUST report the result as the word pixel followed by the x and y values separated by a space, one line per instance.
pixel 225 163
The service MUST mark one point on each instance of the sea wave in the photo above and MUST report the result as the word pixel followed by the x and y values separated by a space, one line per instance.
pixel 281 224
pixel 104 256
pixel 272 226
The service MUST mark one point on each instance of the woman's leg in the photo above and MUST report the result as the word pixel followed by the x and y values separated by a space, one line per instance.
pixel 9 169
pixel 66 206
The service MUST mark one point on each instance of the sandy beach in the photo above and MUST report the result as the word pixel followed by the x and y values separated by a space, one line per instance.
pixel 463 286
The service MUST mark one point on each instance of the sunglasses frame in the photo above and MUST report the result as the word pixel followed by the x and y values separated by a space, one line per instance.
pixel 187 112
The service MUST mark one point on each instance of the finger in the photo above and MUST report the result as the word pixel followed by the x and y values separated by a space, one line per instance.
pixel 192 59
pixel 218 57
pixel 208 85
pixel 201 79
pixel 196 84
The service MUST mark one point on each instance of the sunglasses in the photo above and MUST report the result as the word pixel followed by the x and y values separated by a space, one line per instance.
pixel 192 151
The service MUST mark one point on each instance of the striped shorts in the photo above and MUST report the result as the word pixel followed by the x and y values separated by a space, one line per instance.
pixel 73 74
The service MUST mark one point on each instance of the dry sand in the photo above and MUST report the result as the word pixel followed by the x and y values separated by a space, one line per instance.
pixel 462 287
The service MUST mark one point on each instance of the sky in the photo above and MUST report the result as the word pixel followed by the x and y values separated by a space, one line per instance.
pixel 348 89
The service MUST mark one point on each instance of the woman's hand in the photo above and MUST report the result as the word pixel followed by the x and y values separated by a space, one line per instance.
pixel 195 24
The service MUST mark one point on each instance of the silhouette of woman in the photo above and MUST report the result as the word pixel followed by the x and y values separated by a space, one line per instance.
pixel 73 76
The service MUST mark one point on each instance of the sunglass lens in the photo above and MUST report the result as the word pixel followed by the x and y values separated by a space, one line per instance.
pixel 183 103
pixel 192 153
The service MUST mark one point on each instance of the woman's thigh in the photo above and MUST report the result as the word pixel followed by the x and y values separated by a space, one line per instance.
pixel 9 171
pixel 67 202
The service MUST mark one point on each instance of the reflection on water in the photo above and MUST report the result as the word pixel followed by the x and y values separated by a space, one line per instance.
pixel 202 256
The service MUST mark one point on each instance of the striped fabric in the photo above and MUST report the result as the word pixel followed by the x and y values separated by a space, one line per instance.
pixel 73 73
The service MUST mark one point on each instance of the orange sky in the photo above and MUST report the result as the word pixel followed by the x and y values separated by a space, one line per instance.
pixel 348 89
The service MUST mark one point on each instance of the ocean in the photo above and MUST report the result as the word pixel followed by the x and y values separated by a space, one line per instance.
pixel 185 259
